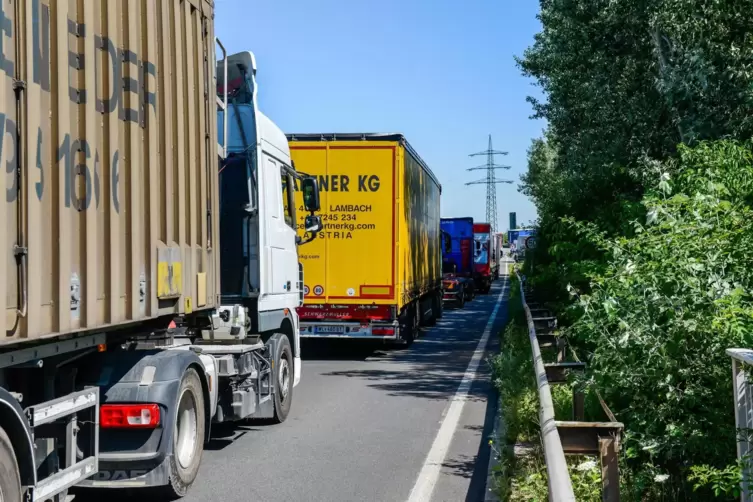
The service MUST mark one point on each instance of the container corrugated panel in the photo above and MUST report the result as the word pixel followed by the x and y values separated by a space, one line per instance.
pixel 380 209
pixel 110 155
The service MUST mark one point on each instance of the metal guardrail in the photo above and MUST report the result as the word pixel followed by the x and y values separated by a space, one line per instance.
pixel 560 485
pixel 576 437
pixel 743 394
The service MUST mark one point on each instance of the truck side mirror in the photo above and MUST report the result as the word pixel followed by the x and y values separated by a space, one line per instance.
pixel 313 224
pixel 310 189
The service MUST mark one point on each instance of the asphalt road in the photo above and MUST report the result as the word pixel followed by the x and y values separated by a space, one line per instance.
pixel 363 422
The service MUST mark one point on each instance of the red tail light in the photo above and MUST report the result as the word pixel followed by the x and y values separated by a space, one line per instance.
pixel 383 331
pixel 129 416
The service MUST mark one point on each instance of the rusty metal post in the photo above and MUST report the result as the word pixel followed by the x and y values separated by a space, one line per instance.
pixel 579 405
pixel 610 471
pixel 561 349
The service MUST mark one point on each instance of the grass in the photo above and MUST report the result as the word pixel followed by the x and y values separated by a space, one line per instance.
pixel 522 477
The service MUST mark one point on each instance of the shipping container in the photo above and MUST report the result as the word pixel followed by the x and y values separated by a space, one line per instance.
pixel 379 255
pixel 110 216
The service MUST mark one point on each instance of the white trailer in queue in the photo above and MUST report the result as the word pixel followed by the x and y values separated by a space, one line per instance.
pixel 149 257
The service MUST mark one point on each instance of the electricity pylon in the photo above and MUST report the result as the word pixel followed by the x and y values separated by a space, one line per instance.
pixel 490 181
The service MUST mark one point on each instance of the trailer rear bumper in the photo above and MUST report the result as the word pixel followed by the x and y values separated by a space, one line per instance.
pixel 371 331
pixel 451 296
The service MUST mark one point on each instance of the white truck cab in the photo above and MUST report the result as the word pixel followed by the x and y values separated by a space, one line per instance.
pixel 261 280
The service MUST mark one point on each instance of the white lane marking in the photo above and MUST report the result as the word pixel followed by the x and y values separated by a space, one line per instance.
pixel 427 478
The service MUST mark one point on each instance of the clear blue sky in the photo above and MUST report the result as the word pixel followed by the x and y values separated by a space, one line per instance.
pixel 439 71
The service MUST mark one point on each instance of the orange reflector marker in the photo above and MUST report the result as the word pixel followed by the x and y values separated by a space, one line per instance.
pixel 376 290
pixel 172 325
pixel 102 347
pixel 129 416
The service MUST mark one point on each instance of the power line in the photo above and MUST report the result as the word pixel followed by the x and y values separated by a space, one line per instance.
pixel 490 181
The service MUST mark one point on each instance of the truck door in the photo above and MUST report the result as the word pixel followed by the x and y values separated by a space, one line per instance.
pixel 282 267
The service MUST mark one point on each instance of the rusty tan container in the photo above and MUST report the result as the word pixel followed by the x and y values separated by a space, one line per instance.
pixel 109 155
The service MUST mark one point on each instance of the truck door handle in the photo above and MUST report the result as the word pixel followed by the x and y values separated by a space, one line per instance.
pixel 288 285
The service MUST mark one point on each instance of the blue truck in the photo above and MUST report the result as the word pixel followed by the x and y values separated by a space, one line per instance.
pixel 457 263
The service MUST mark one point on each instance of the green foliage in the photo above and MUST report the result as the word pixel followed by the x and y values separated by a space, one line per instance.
pixel 644 188
pixel 722 481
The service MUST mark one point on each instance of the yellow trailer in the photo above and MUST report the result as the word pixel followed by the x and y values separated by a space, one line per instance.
pixel 375 270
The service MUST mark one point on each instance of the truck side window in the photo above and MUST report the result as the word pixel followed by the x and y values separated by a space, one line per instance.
pixel 286 209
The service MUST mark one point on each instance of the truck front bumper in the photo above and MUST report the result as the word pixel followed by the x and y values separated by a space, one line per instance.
pixel 372 331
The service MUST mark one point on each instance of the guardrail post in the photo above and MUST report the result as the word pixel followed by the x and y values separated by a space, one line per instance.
pixel 610 471
pixel 561 349
pixel 579 404
pixel 742 360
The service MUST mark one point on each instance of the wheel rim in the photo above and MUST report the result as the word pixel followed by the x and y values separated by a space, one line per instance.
pixel 284 379
pixel 187 418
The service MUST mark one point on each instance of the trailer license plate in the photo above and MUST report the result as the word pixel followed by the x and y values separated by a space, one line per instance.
pixel 329 329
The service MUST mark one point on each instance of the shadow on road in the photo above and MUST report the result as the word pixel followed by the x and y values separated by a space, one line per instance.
pixel 434 366
pixel 224 435
pixel 322 349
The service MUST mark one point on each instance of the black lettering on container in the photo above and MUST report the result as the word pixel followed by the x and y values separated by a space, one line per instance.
pixel 41 45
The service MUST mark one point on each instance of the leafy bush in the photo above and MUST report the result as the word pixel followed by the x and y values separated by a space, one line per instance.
pixel 657 320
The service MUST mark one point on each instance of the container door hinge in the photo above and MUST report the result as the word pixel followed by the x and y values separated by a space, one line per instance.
pixel 19 251
pixel 18 87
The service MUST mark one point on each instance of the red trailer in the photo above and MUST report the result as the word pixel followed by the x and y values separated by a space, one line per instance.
pixel 483 261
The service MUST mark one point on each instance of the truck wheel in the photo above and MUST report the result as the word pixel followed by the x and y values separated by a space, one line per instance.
pixel 10 481
pixel 408 326
pixel 440 306
pixel 283 377
pixel 434 312
pixel 188 435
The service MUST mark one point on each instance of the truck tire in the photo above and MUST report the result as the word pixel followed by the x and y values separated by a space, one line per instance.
pixel 282 371
pixel 440 305
pixel 10 481
pixel 434 311
pixel 408 325
pixel 188 435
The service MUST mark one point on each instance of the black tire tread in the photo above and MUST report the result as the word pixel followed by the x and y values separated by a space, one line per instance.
pixel 180 480
pixel 10 480
pixel 282 410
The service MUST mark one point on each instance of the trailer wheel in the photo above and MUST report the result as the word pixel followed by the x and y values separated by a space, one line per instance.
pixel 440 305
pixel 434 311
pixel 408 325
pixel 282 369
pixel 188 435
pixel 10 481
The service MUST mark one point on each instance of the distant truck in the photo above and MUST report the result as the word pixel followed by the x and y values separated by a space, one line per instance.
pixel 486 268
pixel 518 238
pixel 457 264
pixel 376 271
